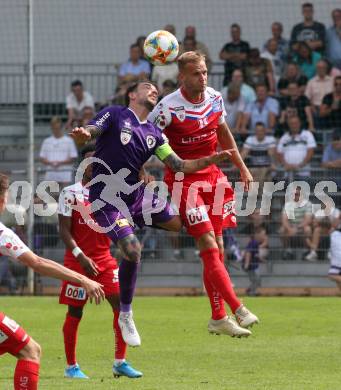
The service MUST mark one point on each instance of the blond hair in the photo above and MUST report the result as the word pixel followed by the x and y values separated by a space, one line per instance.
pixel 55 120
pixel 190 57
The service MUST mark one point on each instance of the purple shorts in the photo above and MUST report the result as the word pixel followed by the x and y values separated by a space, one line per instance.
pixel 145 209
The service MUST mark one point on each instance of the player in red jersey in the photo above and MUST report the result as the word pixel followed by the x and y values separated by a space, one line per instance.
pixel 193 120
pixel 87 252
pixel 13 338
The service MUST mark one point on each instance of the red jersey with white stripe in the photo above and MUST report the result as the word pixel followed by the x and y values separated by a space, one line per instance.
pixel 190 127
pixel 94 245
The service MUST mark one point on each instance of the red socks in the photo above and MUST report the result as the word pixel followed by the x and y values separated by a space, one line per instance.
pixel 216 274
pixel 216 301
pixel 26 375
pixel 120 345
pixel 70 329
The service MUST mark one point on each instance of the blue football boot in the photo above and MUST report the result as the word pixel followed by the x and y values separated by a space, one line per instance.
pixel 125 369
pixel 75 372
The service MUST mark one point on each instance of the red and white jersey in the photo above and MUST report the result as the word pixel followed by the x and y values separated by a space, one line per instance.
pixel 95 245
pixel 190 127
pixel 10 243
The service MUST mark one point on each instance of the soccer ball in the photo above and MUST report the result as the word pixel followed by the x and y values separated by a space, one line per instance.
pixel 161 47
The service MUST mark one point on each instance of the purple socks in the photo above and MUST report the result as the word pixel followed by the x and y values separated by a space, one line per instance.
pixel 127 276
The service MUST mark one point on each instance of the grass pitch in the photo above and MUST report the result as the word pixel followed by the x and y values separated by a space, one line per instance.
pixel 297 346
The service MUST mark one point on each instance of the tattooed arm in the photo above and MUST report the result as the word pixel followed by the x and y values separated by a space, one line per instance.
pixel 82 136
pixel 177 164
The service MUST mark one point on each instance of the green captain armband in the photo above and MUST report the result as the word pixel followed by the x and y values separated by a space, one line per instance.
pixel 163 151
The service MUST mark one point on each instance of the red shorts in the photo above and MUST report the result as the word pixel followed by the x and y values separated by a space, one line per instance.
pixel 206 204
pixel 13 338
pixel 74 295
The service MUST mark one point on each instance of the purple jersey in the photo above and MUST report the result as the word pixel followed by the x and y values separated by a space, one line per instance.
pixel 125 142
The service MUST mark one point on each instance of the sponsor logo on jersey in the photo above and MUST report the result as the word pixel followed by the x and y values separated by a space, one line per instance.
pixel 122 223
pixel 11 324
pixel 196 106
pixel 151 141
pixel 180 113
pixel 197 215
pixel 229 208
pixel 88 222
pixel 3 337
pixel 75 292
pixel 126 135
pixel 188 140
pixel 102 119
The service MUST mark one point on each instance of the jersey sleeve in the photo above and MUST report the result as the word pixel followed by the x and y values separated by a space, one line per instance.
pixel 104 119
pixel 160 116
pixel 223 112
pixel 10 244
pixel 66 200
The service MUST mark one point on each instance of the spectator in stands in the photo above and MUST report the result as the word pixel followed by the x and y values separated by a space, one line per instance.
pixel 272 54
pixel 135 68
pixel 259 71
pixel 295 223
pixel 282 43
pixel 235 107
pixel 255 220
pixel 306 60
pixel 260 149
pixel 168 86
pixel 265 109
pixel 332 158
pixel 297 105
pixel 234 53
pixel 324 221
pixel 334 39
pixel 87 115
pixel 255 253
pixel 295 150
pixel 247 92
pixel 309 31
pixel 76 102
pixel 330 108
pixel 190 32
pixel 319 86
pixel 292 74
pixel 170 28
pixel 140 42
pixel 57 153
pixel 162 73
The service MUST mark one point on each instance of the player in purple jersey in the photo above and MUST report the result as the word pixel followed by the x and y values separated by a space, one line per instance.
pixel 119 200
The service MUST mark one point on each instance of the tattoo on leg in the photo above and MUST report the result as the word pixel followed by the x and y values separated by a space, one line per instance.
pixel 130 248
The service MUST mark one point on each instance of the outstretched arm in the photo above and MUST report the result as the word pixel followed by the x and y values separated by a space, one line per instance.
pixel 54 270
pixel 82 136
pixel 177 164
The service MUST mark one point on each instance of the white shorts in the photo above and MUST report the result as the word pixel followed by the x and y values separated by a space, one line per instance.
pixel 334 270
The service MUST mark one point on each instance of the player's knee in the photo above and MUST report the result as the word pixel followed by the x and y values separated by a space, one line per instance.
pixel 32 351
pixel 134 256
pixel 75 311
pixel 207 241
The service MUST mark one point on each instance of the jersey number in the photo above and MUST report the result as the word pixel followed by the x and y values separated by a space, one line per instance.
pixel 203 122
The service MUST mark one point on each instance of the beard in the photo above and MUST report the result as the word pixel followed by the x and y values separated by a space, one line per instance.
pixel 149 105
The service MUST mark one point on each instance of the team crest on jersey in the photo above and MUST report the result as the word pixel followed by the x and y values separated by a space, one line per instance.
pixel 151 141
pixel 180 113
pixel 126 135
